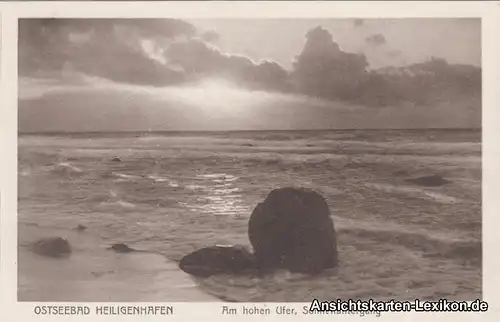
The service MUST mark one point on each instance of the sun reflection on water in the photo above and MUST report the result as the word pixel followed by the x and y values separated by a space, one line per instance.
pixel 220 196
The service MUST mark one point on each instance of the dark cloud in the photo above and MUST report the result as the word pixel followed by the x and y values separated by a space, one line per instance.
pixel 163 52
pixel 199 60
pixel 376 40
pixel 108 48
pixel 323 69
pixel 428 83
pixel 358 22
pixel 155 52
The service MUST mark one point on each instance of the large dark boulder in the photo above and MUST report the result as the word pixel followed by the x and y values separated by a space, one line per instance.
pixel 55 247
pixel 218 260
pixel 292 229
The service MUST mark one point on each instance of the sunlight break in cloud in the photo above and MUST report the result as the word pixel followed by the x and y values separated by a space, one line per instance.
pixel 166 65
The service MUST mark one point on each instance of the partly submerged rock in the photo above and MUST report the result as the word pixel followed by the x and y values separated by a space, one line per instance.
pixel 292 229
pixel 218 260
pixel 122 248
pixel 116 159
pixel 429 181
pixel 80 227
pixel 55 247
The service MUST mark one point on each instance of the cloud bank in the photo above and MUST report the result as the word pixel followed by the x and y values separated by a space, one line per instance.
pixel 166 52
pixel 107 48
pixel 199 60
pixel 157 52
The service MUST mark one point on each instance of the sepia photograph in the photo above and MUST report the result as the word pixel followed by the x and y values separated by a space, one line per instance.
pixel 249 160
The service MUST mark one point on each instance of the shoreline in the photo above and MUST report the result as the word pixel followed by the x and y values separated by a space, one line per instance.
pixel 95 274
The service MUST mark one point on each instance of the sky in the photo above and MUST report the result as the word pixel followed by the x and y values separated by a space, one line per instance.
pixel 405 41
pixel 174 74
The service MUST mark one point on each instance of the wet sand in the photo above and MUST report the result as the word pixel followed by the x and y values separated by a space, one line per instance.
pixel 94 273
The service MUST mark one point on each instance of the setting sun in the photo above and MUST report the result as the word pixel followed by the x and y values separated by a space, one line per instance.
pixel 214 94
pixel 214 91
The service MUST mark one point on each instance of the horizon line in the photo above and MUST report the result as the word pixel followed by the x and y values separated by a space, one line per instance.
pixel 236 131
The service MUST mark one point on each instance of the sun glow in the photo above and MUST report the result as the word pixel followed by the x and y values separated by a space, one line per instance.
pixel 214 94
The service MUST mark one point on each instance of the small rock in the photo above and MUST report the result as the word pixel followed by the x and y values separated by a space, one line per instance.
pixel 55 247
pixel 429 181
pixel 116 159
pixel 122 248
pixel 81 228
pixel 214 260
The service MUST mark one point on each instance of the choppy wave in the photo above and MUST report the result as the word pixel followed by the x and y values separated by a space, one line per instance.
pixel 432 243
pixel 127 176
pixel 468 250
pixel 66 169
pixel 174 195
pixel 158 178
pixel 115 205
pixel 414 192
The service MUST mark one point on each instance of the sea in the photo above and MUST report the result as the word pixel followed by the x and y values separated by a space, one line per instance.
pixel 174 192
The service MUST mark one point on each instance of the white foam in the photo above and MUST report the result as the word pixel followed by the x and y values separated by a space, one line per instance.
pixel 414 192
pixel 212 175
pixel 69 166
pixel 118 203
pixel 127 176
pixel 194 187
pixel 157 178
pixel 125 204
